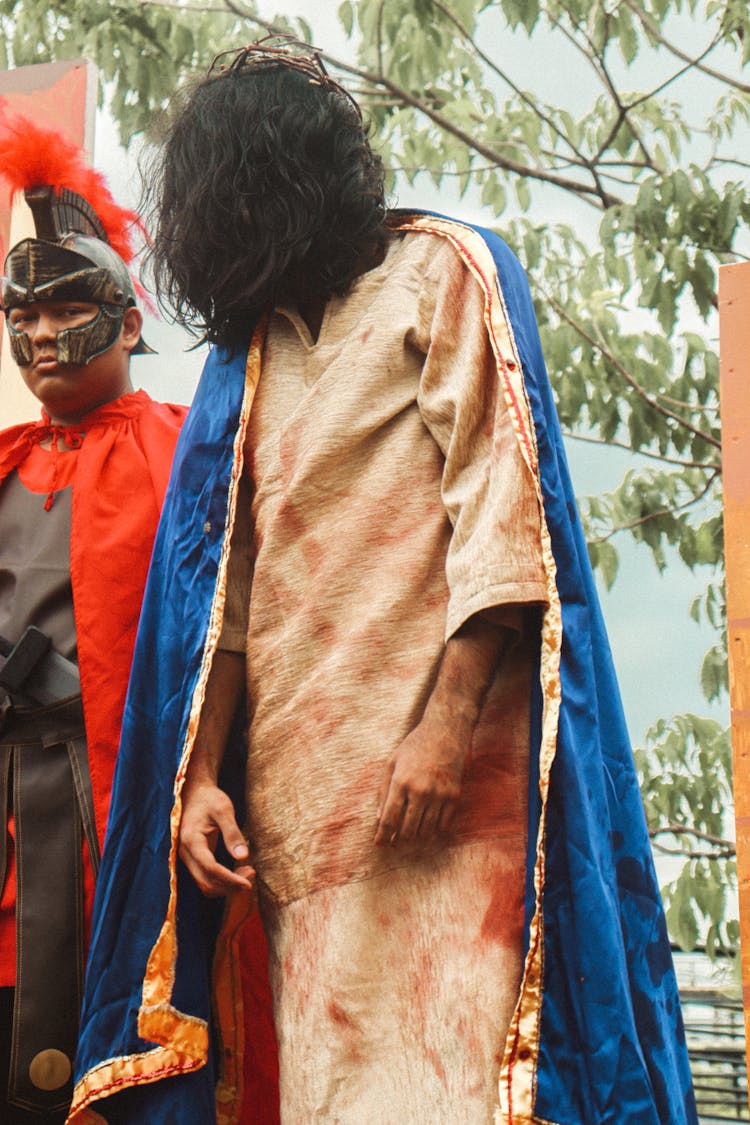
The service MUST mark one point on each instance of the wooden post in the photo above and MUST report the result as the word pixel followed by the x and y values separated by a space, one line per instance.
pixel 734 327
pixel 60 96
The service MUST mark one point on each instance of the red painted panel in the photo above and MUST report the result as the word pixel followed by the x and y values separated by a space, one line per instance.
pixel 56 95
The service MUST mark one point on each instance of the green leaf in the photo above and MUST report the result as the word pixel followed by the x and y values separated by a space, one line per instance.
pixel 523 192
pixel 628 35
pixel 681 918
pixel 714 675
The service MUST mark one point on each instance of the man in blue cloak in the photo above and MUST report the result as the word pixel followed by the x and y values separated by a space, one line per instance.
pixel 441 900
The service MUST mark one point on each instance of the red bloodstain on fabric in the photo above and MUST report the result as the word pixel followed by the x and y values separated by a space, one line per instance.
pixel 434 1058
pixel 341 1017
pixel 350 1032
pixel 503 920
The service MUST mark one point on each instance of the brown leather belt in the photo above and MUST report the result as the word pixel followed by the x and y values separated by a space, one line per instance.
pixel 44 751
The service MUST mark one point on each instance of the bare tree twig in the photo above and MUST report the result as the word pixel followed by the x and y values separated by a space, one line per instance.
pixel 673 828
pixel 705 465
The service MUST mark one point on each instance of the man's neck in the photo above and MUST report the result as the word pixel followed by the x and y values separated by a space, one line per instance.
pixel 70 421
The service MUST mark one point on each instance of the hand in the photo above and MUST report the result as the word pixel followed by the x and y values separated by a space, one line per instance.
pixel 422 785
pixel 207 812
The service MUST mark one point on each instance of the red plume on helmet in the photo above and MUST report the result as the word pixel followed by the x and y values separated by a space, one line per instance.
pixel 31 155
pixel 83 240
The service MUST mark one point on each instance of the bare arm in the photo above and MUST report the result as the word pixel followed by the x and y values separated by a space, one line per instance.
pixel 422 783
pixel 207 811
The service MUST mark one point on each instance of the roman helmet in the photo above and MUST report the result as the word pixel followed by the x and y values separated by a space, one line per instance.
pixel 71 257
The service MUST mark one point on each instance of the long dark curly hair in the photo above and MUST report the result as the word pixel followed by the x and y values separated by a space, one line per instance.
pixel 264 190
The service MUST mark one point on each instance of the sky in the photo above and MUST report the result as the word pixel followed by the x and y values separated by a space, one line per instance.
pixel 657 647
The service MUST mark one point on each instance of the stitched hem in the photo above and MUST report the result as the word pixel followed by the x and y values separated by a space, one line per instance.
pixel 492 596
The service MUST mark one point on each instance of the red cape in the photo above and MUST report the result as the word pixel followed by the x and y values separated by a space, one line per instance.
pixel 121 475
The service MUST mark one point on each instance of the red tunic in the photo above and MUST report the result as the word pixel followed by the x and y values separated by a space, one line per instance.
pixel 119 476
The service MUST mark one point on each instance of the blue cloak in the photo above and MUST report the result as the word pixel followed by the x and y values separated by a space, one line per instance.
pixel 597 1036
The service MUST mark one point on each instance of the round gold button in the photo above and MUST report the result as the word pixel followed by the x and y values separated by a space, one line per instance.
pixel 50 1069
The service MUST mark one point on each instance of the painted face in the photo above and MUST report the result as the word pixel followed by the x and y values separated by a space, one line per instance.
pixel 69 390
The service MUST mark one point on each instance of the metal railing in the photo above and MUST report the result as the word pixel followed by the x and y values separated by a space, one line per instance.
pixel 715 1034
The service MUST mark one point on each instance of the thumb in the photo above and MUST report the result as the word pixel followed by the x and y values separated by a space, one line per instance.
pixel 234 841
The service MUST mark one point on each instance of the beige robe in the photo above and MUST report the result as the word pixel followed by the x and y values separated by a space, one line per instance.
pixel 389 504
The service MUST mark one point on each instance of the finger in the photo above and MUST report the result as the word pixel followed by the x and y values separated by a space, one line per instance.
pixel 446 815
pixel 216 881
pixel 390 820
pixel 246 872
pixel 234 841
pixel 413 815
pixel 385 786
pixel 429 823
pixel 212 877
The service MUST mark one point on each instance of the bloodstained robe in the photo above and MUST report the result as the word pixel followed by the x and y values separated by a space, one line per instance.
pixel 118 483
pixel 343 586
pixel 595 1033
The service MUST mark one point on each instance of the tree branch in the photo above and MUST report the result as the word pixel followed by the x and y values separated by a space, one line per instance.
pixel 621 370
pixel 655 32
pixel 693 407
pixel 704 465
pixel 730 160
pixel 380 35
pixel 596 61
pixel 688 853
pixel 673 828
pixel 691 64
pixel 657 514
pixel 677 829
pixel 521 94
pixel 623 164
pixel 586 191
pixel 622 117
pixel 182 7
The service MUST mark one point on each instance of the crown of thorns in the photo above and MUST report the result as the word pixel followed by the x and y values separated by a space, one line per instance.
pixel 280 50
